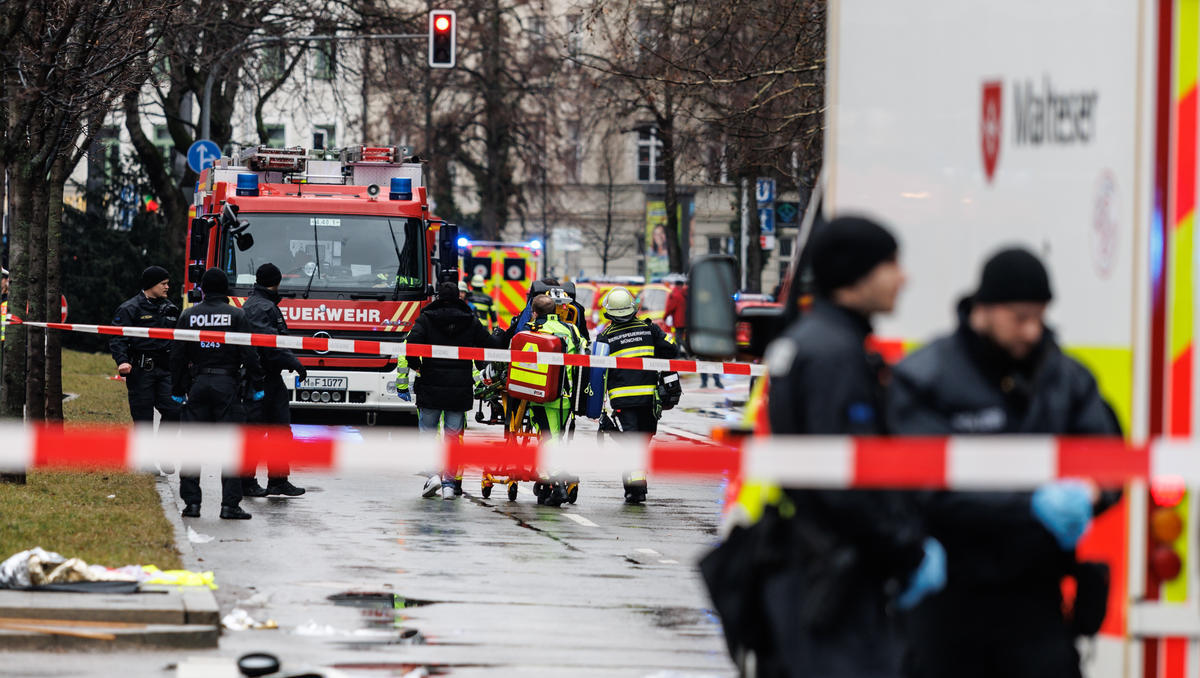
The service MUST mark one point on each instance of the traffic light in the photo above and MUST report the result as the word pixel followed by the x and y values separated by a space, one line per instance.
pixel 1168 541
pixel 442 31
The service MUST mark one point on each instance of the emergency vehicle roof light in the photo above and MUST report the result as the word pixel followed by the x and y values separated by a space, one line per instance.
pixel 247 184
pixel 464 243
pixel 535 244
pixel 401 188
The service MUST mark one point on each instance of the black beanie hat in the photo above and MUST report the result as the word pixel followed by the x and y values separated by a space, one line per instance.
pixel 214 282
pixel 153 276
pixel 448 290
pixel 846 249
pixel 268 275
pixel 1013 274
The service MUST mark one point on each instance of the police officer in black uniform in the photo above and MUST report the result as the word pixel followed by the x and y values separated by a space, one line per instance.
pixel 263 314
pixel 143 362
pixel 214 369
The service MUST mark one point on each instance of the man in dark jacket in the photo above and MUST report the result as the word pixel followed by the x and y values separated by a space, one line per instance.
pixel 842 561
pixel 142 361
pixel 263 314
pixel 444 388
pixel 213 370
pixel 1000 372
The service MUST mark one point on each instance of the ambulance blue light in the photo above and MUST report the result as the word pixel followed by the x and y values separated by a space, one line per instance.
pixel 401 188
pixel 463 243
pixel 535 244
pixel 247 184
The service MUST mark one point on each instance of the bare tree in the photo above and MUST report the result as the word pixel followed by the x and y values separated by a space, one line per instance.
pixel 607 238
pixel 63 65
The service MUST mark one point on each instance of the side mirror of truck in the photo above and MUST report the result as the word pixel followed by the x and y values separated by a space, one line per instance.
pixel 448 253
pixel 244 241
pixel 711 314
pixel 758 326
pixel 198 243
pixel 194 273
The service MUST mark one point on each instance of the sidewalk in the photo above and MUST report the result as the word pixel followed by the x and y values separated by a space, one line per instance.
pixel 157 617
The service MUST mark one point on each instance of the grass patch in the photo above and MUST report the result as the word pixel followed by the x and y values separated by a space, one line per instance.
pixel 71 512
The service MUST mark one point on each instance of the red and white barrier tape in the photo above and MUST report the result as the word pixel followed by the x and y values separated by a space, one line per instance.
pixel 367 347
pixel 956 463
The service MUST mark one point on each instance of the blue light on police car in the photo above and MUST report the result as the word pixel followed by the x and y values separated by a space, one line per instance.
pixel 401 188
pixel 247 184
pixel 463 243
pixel 535 244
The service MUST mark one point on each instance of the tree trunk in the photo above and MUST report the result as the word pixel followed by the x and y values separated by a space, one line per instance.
pixel 17 338
pixel 35 352
pixel 666 133
pixel 54 394
pixel 175 199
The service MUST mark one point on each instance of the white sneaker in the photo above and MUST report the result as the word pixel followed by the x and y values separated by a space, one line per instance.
pixel 432 484
pixel 448 492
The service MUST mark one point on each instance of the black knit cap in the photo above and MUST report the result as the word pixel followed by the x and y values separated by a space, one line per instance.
pixel 153 276
pixel 846 249
pixel 268 275
pixel 1013 275
pixel 448 290
pixel 214 282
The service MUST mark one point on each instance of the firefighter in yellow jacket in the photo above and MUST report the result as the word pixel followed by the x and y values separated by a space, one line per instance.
pixel 633 394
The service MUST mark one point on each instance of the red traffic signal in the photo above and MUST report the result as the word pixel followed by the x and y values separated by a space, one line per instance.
pixel 442 34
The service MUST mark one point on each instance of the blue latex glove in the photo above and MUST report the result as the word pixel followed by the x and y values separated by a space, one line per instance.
pixel 258 395
pixel 1064 507
pixel 405 396
pixel 179 399
pixel 929 577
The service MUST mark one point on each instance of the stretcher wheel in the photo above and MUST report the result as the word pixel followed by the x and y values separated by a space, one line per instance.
pixel 486 491
pixel 572 493
pixel 512 491
pixel 479 418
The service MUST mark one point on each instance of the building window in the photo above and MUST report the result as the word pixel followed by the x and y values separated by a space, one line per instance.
pixel 574 156
pixel 274 61
pixel 276 136
pixel 326 62
pixel 537 32
pixel 716 244
pixel 649 155
pixel 323 137
pixel 163 142
pixel 574 34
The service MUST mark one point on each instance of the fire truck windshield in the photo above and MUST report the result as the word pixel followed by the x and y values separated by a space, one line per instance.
pixel 331 252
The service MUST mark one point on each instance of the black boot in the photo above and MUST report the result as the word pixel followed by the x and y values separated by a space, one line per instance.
pixel 282 486
pixel 251 488
pixel 234 512
pixel 191 511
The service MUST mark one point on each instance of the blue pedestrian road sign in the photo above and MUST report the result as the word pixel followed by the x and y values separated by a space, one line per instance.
pixel 201 154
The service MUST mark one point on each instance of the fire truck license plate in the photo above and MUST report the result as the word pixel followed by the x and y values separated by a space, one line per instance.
pixel 325 383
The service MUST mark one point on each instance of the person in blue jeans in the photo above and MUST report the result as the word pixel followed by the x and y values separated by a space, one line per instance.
pixel 444 388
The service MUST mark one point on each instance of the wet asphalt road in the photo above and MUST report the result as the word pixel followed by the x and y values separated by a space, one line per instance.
pixel 366 578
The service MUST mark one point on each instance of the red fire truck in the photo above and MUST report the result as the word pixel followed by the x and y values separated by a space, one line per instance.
pixel 352 232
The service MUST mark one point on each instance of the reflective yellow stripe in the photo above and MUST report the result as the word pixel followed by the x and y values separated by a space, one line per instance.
pixel 634 352
pixel 525 376
pixel 628 391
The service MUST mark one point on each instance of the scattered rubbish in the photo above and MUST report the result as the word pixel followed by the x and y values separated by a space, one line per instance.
pixel 38 567
pixel 111 496
pixel 376 599
pixel 256 600
pixel 312 628
pixel 240 620
pixel 197 538
pixel 179 577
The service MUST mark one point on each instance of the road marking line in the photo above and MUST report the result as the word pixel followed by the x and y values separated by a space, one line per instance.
pixel 649 552
pixel 581 520
pixel 668 561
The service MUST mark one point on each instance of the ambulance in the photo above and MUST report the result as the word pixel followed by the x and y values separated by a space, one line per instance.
pixel 508 269
pixel 1069 127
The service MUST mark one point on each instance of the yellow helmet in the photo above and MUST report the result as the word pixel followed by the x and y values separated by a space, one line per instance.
pixel 477 281
pixel 619 303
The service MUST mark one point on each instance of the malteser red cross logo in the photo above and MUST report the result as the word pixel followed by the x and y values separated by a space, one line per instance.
pixel 990 128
